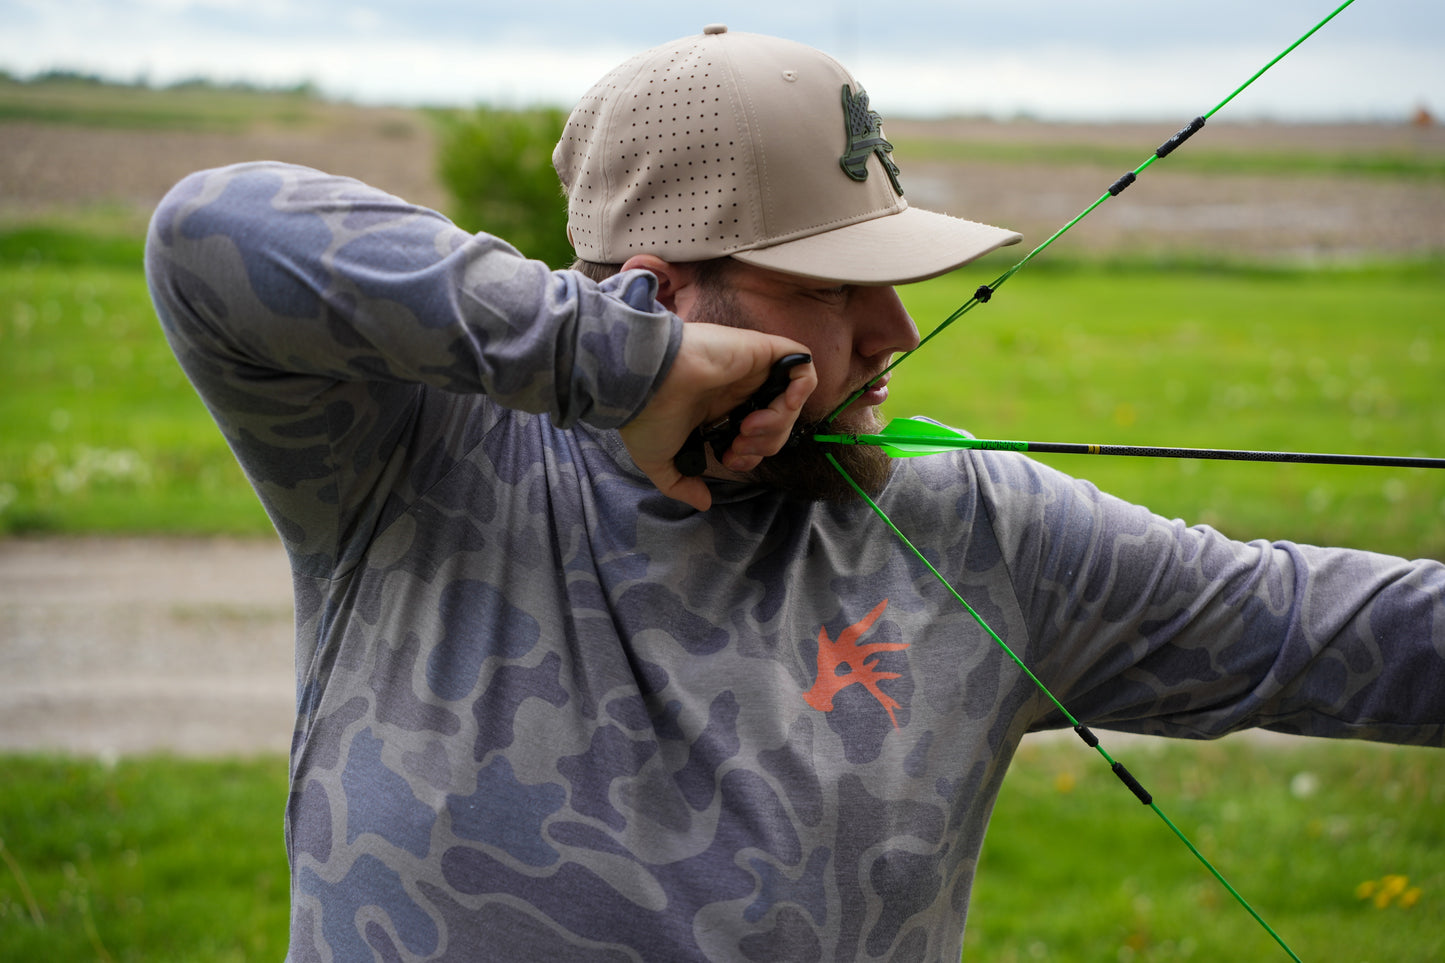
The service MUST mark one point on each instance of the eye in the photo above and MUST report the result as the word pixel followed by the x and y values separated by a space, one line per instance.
pixel 831 295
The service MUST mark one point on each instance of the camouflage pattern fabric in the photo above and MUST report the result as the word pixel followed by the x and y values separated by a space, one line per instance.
pixel 545 713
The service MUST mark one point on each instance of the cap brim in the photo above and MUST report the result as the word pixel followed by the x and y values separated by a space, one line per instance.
pixel 911 245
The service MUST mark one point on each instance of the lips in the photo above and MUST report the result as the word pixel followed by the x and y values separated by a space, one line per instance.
pixel 860 407
pixel 877 392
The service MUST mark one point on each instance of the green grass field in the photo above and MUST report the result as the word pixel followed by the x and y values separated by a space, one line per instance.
pixel 1337 846
pixel 71 99
pixel 1075 869
pixel 102 433
pixel 151 859
pixel 1201 158
pixel 1284 360
pixel 99 429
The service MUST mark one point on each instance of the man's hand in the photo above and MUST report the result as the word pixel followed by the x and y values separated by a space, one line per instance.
pixel 716 369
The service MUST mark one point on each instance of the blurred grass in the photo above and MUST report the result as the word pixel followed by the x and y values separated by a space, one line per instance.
pixel 1201 158
pixel 160 859
pixel 99 431
pixel 193 106
pixel 1074 869
pixel 1337 360
pixel 153 859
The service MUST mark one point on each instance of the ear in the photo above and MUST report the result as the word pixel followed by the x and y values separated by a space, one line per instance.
pixel 675 288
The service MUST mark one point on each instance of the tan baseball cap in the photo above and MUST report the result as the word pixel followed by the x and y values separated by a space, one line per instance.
pixel 755 147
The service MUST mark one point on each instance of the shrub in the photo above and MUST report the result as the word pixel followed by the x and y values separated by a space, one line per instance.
pixel 497 166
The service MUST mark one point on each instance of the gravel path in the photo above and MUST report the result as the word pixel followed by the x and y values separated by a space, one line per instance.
pixel 122 646
pixel 118 646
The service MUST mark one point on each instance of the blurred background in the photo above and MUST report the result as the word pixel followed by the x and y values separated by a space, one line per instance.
pixel 1050 59
pixel 1277 283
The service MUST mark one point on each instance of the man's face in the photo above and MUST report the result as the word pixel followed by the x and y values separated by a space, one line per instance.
pixel 853 332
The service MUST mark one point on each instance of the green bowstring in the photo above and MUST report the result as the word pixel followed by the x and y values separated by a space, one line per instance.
pixel 986 292
pixel 1083 731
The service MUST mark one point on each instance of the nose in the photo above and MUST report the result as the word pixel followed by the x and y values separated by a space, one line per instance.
pixel 884 326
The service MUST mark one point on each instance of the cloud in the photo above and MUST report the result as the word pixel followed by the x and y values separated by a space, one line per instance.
pixel 1049 58
pixel 1361 83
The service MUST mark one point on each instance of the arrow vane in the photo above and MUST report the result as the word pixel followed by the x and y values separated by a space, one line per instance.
pixel 909 438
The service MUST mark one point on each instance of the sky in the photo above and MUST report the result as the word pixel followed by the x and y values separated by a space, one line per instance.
pixel 1051 59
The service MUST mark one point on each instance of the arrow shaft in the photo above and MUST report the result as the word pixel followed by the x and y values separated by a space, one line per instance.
pixel 1226 454
pixel 933 445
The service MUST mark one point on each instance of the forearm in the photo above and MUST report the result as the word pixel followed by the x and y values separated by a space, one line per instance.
pixel 319 318
pixel 1143 623
pixel 278 269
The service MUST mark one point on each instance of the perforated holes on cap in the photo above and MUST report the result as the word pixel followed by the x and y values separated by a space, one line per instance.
pixel 679 156
pixel 582 200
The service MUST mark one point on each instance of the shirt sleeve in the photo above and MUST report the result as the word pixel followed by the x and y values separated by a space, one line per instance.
pixel 1144 624
pixel 319 319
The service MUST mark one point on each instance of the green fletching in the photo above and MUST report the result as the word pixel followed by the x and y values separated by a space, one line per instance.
pixel 914 428
pixel 909 438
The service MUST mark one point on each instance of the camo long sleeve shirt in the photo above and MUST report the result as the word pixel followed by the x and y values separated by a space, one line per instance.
pixel 545 713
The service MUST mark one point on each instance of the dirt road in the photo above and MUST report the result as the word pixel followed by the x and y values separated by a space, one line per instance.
pixel 116 646
pixel 49 170
pixel 122 646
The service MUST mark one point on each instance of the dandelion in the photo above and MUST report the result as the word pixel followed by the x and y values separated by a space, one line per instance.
pixel 1393 889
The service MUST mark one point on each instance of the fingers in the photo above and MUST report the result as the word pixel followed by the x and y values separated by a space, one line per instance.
pixel 765 432
pixel 716 369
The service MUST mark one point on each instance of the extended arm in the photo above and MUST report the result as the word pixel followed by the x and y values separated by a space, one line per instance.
pixel 1139 622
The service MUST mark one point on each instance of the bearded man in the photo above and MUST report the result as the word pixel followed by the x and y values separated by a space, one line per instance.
pixel 557 700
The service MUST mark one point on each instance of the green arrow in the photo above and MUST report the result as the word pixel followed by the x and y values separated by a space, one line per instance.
pixel 909 438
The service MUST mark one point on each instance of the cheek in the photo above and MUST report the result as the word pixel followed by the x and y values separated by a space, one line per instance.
pixel 827 337
pixel 832 355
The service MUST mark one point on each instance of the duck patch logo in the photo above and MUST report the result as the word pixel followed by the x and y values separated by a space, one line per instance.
pixel 850 661
pixel 865 136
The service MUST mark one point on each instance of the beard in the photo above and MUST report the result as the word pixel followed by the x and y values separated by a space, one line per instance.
pixel 802 469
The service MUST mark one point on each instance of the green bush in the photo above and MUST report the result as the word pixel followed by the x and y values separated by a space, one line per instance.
pixel 497 166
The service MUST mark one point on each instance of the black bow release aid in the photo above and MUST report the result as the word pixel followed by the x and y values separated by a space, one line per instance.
pixel 691 459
